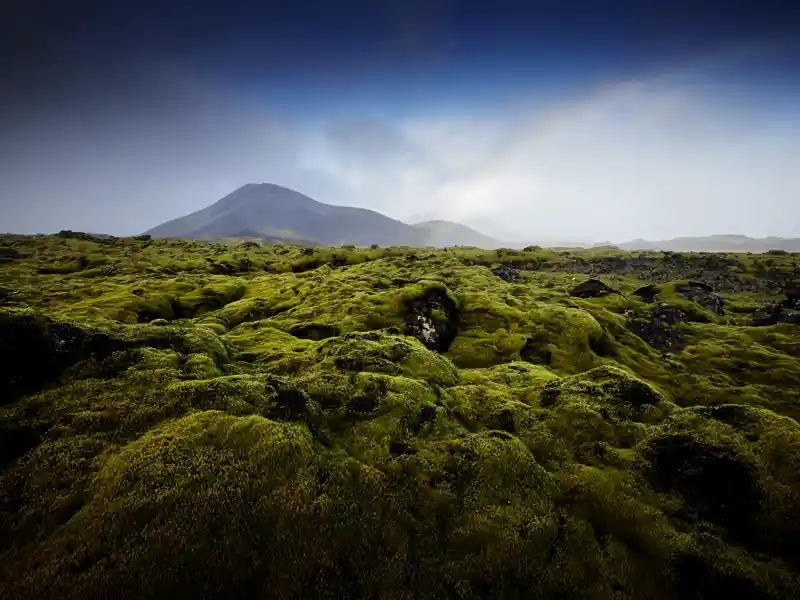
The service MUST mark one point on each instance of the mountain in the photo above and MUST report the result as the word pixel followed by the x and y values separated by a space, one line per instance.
pixel 716 243
pixel 271 211
pixel 446 233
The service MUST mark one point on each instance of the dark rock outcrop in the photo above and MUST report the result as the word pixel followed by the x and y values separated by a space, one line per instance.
pixel 661 327
pixel 314 331
pixel 508 273
pixel 786 311
pixel 647 293
pixel 702 293
pixel 432 319
pixel 592 288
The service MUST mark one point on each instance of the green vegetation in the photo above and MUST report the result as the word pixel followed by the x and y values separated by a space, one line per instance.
pixel 236 420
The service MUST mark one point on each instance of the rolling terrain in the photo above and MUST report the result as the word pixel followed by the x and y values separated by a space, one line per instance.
pixel 185 418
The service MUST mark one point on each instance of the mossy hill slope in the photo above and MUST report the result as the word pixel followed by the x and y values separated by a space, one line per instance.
pixel 196 420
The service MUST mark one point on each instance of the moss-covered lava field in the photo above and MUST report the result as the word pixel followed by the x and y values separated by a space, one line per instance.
pixel 234 420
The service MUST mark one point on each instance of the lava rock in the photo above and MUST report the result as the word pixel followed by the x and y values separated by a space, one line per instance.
pixel 508 273
pixel 659 327
pixel 592 288
pixel 647 293
pixel 314 331
pixel 702 293
pixel 436 333
pixel 773 313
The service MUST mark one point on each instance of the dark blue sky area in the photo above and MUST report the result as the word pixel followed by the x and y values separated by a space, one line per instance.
pixel 302 54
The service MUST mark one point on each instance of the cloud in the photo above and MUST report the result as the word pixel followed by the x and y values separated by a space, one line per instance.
pixel 637 159
pixel 657 157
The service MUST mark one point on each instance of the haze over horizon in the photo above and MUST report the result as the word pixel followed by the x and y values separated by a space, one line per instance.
pixel 568 121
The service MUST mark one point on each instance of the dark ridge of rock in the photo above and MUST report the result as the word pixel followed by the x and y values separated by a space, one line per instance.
pixel 35 350
pixel 314 331
pixel 773 313
pixel 702 294
pixel 647 293
pixel 592 288
pixel 659 327
pixel 508 273
pixel 717 486
pixel 436 330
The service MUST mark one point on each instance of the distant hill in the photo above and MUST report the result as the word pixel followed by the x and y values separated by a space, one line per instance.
pixel 716 243
pixel 446 233
pixel 274 212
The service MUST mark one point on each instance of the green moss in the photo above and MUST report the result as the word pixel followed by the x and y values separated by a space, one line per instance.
pixel 278 431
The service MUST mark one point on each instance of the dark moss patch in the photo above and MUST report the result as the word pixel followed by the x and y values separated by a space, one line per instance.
pixel 718 485
pixel 536 351
pixel 35 350
pixel 397 448
pixel 18 438
pixel 314 331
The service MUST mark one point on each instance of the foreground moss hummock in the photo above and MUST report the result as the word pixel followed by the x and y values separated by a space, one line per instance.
pixel 207 420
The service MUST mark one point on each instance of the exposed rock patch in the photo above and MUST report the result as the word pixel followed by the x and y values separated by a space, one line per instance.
pixel 508 273
pixel 660 327
pixel 314 331
pixel 702 293
pixel 592 288
pixel 647 293
pixel 432 319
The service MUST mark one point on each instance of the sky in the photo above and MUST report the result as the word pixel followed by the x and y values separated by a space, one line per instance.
pixel 571 120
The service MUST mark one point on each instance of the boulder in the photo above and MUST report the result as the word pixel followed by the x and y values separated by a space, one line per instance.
pixel 592 288
pixel 702 293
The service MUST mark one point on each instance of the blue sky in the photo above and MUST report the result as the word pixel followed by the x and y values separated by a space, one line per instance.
pixel 603 121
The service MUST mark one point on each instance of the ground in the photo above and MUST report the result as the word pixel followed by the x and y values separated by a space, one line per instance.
pixel 236 420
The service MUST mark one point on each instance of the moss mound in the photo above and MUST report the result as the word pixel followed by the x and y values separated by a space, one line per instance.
pixel 190 419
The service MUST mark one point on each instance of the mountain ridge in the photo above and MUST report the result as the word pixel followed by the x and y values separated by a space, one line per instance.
pixel 273 211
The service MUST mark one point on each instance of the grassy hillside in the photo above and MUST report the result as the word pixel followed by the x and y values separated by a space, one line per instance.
pixel 194 419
